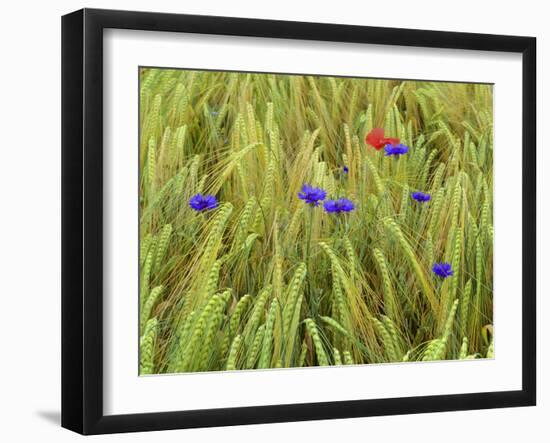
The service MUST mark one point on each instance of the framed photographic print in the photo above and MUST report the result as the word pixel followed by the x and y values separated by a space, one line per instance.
pixel 270 221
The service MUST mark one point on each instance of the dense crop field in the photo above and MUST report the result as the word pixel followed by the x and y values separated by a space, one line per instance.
pixel 243 267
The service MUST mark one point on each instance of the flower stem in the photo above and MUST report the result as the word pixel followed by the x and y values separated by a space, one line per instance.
pixel 309 229
pixel 309 284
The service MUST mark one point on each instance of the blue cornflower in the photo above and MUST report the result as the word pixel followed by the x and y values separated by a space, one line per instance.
pixel 442 270
pixel 340 205
pixel 421 197
pixel 396 150
pixel 201 202
pixel 346 169
pixel 312 195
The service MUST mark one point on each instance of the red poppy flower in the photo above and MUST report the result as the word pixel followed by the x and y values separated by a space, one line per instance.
pixel 376 139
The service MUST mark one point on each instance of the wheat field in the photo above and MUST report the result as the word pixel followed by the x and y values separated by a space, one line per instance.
pixel 385 256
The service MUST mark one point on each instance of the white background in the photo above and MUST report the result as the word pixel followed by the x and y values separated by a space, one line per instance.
pixel 30 221
pixel 126 393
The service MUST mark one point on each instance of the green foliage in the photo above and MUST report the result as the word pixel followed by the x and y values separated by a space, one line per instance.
pixel 265 281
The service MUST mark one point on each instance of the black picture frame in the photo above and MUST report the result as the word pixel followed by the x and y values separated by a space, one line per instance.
pixel 82 219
